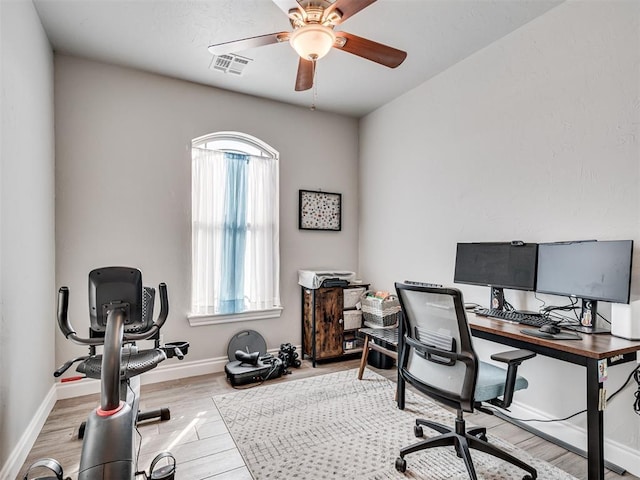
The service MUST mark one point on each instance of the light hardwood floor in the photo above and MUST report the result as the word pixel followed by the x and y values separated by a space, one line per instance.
pixel 201 444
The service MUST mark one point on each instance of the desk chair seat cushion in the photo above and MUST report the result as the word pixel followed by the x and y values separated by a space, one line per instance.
pixel 491 382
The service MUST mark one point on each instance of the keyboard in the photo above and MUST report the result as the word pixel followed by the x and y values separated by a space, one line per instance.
pixel 530 319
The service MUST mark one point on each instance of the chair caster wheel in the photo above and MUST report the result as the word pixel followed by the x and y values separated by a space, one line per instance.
pixel 83 425
pixel 479 433
pixel 417 431
pixel 165 414
pixel 528 477
pixel 401 464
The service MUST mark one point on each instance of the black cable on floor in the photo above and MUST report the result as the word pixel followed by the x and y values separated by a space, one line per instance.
pixel 636 403
pixel 635 374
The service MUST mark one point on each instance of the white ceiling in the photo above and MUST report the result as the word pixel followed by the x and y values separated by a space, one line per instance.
pixel 170 37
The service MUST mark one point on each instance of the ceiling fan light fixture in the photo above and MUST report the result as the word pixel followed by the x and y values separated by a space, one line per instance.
pixel 313 41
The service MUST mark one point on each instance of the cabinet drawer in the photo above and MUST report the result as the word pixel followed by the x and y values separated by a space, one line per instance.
pixel 352 319
pixel 352 296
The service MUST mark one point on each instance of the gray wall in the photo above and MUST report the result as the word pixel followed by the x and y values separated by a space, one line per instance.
pixel 533 138
pixel 27 225
pixel 550 113
pixel 123 191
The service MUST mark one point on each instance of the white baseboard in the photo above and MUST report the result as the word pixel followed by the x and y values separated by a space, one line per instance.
pixel 16 459
pixel 565 431
pixel 60 391
pixel 614 452
pixel 173 370
pixel 622 455
pixel 184 369
pixel 169 371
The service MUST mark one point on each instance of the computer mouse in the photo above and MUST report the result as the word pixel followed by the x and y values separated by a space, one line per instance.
pixel 550 329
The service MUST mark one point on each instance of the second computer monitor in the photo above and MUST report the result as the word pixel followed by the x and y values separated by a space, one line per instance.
pixel 588 270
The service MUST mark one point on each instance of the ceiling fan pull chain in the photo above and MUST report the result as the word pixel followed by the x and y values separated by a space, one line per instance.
pixel 315 86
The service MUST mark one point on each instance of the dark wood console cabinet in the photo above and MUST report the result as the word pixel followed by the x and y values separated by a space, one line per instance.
pixel 323 332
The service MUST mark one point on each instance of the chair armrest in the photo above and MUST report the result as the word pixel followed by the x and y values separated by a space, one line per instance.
pixel 513 358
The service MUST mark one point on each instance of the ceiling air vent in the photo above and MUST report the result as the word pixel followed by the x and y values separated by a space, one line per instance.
pixel 229 63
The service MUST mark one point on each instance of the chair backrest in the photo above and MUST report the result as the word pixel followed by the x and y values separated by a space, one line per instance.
pixel 119 285
pixel 436 351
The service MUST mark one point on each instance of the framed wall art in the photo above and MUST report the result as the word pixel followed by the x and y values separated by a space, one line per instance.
pixel 320 210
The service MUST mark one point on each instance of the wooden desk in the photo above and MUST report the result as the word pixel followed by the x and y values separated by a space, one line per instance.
pixel 586 352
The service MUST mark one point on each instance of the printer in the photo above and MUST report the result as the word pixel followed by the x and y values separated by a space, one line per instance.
pixel 317 278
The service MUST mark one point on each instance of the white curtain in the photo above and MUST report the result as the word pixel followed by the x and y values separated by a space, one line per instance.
pixel 262 254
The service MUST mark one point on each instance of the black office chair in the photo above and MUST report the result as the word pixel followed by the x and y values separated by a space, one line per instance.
pixel 436 356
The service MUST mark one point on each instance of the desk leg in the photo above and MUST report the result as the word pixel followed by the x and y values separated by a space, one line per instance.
pixel 400 384
pixel 365 355
pixel 313 328
pixel 595 424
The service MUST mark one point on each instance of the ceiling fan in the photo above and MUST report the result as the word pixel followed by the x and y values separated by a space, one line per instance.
pixel 313 36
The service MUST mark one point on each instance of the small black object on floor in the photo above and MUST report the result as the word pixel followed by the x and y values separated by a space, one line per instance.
pixel 249 361
pixel 379 360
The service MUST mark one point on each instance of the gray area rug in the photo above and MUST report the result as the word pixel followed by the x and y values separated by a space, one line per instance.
pixel 336 427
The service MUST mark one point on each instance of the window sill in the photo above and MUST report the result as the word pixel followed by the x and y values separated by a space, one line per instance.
pixel 196 320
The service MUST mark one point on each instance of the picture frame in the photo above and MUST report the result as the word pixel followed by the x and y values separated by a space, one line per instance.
pixel 319 210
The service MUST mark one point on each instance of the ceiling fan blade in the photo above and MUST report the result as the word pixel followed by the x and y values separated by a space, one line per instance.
pixel 376 52
pixel 304 78
pixel 348 8
pixel 287 5
pixel 247 43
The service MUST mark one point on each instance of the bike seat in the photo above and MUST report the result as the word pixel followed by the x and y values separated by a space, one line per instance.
pixel 131 364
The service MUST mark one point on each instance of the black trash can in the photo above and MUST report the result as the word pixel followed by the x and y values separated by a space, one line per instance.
pixel 379 360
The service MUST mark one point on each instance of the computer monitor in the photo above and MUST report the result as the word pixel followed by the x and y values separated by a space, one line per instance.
pixel 498 265
pixel 589 270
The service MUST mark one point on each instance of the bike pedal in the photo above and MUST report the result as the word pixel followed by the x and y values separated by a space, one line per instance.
pixel 49 464
pixel 166 472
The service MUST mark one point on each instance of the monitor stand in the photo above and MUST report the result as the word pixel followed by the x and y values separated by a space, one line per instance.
pixel 588 330
pixel 588 316
pixel 497 298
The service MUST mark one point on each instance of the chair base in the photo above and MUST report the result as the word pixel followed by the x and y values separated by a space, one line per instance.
pixel 463 441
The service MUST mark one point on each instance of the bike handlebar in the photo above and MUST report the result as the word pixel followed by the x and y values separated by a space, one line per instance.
pixel 68 331
pixel 66 365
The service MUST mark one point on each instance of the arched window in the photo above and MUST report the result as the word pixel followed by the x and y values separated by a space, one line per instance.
pixel 235 229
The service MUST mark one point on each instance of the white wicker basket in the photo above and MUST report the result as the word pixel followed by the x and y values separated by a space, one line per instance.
pixel 352 319
pixel 352 296
pixel 380 312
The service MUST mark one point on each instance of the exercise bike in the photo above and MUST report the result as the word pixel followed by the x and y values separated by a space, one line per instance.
pixel 121 313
